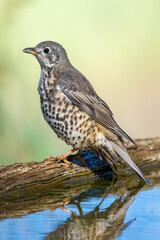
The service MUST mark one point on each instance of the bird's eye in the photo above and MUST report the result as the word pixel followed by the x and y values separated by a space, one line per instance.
pixel 46 50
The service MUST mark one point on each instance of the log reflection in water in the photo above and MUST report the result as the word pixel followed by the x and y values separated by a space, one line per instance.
pixel 106 223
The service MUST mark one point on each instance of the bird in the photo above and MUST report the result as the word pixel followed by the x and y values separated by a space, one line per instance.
pixel 75 112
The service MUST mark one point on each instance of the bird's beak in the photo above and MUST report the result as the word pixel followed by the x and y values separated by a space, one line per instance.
pixel 31 51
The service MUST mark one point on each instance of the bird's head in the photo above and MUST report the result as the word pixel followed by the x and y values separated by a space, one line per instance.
pixel 49 54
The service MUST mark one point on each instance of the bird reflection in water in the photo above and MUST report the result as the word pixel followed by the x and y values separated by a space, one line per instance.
pixel 104 221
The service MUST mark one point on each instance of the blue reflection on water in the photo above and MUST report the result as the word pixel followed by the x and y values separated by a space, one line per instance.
pixel 89 204
pixel 33 226
pixel 146 209
pixel 36 226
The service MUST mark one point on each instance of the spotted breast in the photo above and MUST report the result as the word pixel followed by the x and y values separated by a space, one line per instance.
pixel 70 124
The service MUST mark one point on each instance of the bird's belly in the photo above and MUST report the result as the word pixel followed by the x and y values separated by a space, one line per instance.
pixel 70 124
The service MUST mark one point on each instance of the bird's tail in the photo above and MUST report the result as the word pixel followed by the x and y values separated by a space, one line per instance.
pixel 122 153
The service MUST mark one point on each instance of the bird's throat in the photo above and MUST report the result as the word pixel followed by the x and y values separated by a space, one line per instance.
pixel 47 81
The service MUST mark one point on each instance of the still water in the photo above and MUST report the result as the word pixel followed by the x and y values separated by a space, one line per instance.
pixel 95 213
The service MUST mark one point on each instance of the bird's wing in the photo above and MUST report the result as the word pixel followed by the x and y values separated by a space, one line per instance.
pixel 80 92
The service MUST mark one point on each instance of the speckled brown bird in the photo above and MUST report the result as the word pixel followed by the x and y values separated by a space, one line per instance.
pixel 73 109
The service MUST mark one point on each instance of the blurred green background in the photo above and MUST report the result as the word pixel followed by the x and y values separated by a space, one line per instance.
pixel 114 43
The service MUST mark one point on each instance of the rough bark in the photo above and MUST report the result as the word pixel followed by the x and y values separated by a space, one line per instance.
pixel 35 186
pixel 34 174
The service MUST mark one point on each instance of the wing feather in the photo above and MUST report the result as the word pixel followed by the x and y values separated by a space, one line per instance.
pixel 80 92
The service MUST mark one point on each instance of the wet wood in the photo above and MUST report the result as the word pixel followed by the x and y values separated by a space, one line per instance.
pixel 30 180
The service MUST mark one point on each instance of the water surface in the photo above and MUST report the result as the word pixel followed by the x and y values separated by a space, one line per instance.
pixel 101 212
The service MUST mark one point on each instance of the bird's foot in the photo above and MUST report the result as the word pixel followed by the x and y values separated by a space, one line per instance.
pixel 78 156
pixel 63 158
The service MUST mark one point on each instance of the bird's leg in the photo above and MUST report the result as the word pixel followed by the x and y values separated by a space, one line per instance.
pixel 63 158
pixel 66 202
pixel 78 156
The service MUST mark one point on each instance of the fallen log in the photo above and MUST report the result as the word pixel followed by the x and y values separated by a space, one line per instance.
pixel 30 180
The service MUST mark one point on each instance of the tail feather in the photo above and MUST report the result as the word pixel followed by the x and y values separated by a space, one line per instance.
pixel 125 156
